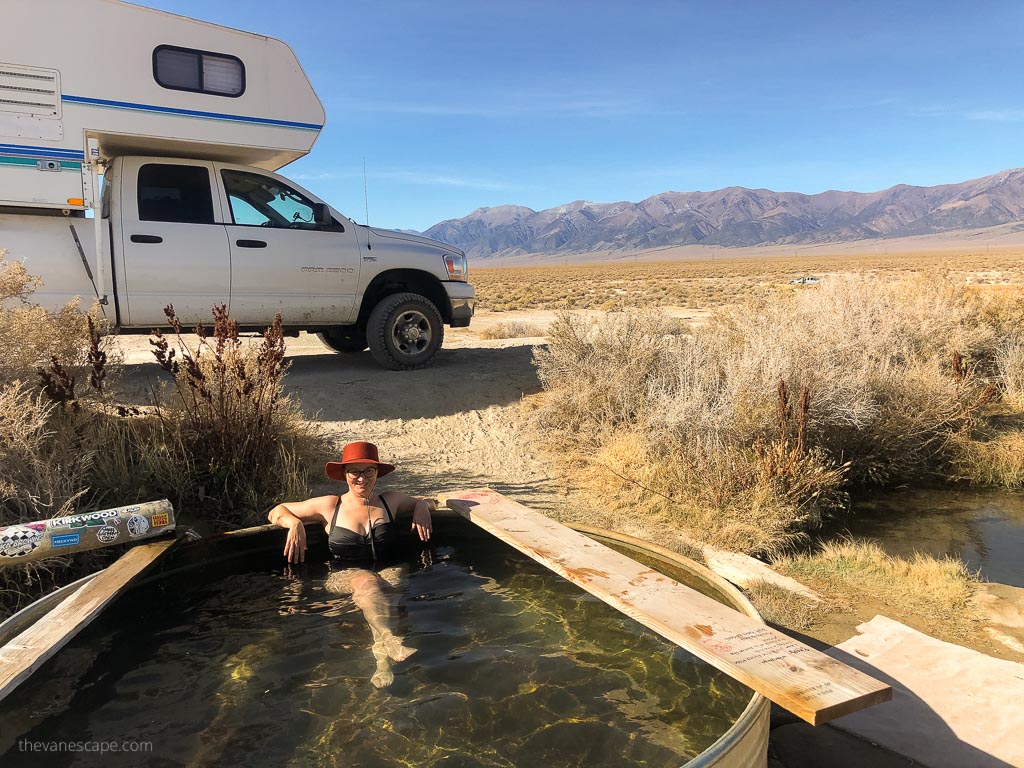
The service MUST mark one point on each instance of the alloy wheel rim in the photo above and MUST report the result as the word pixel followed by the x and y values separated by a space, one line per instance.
pixel 411 332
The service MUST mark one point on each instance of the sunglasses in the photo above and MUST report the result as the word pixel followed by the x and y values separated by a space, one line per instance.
pixel 367 473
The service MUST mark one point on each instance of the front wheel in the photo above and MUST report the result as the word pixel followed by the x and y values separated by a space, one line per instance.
pixel 404 331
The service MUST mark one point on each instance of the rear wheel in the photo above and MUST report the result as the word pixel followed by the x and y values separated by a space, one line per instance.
pixel 404 331
pixel 346 339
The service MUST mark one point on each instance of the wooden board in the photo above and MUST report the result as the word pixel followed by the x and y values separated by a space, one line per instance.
pixel 793 675
pixel 28 651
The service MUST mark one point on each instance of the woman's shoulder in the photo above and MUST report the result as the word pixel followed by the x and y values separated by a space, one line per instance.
pixel 325 505
pixel 394 498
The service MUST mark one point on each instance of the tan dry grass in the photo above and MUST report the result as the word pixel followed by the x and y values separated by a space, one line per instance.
pixel 996 461
pixel 785 608
pixel 937 591
pixel 30 337
pixel 701 283
pixel 747 429
pixel 512 329
pixel 1009 361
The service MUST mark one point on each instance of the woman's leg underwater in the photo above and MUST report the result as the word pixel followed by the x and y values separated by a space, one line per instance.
pixel 368 593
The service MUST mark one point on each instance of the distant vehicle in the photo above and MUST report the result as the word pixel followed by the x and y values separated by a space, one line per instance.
pixel 187 122
pixel 809 280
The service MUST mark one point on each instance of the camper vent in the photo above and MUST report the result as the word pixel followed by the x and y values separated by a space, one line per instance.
pixel 29 91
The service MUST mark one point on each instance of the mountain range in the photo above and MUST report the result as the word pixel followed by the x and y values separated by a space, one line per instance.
pixel 737 216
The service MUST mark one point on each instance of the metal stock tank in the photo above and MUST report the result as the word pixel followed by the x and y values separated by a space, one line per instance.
pixel 192 664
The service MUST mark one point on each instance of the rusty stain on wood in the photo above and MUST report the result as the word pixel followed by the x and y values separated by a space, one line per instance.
pixel 587 572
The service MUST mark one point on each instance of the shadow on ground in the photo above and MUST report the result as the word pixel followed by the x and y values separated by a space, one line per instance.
pixel 335 387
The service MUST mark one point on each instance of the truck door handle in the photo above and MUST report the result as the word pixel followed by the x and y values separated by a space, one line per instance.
pixel 250 243
pixel 147 239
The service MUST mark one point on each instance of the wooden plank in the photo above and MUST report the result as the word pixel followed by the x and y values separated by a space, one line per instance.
pixel 808 683
pixel 25 653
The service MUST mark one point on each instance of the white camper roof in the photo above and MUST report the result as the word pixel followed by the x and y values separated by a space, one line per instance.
pixel 145 82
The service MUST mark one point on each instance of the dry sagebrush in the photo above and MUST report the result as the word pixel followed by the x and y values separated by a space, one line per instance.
pixel 43 461
pixel 242 440
pixel 749 429
pixel 30 336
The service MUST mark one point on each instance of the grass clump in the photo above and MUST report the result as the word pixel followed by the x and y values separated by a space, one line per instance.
pixel 784 607
pixel 936 591
pixel 512 329
pixel 749 429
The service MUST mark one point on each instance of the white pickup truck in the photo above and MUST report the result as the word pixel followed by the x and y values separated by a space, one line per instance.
pixel 187 125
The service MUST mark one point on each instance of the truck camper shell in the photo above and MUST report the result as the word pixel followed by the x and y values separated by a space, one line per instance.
pixel 152 83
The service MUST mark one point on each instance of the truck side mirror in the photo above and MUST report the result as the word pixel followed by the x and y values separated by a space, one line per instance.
pixel 322 215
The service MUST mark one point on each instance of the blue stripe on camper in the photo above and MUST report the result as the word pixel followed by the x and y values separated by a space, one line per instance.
pixel 26 150
pixel 190 112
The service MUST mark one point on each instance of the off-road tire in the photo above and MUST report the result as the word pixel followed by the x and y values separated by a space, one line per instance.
pixel 404 331
pixel 345 339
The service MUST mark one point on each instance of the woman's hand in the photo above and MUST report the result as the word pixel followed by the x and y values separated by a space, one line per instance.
pixel 421 523
pixel 295 544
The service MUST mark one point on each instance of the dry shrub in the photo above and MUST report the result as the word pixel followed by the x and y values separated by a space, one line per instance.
pixel 891 368
pixel 241 440
pixel 226 448
pixel 43 463
pixel 1009 361
pixel 939 591
pixel 600 375
pixel 996 461
pixel 750 428
pixel 30 336
pixel 512 329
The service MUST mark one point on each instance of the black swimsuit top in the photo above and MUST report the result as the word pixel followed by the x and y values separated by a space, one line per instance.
pixel 347 545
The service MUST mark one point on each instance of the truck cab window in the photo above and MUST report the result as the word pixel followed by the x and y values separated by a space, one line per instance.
pixel 262 201
pixel 178 193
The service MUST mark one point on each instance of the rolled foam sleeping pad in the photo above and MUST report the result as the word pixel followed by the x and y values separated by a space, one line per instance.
pixel 24 542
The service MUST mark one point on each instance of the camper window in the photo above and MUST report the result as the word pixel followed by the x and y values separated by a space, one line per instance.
pixel 179 193
pixel 186 69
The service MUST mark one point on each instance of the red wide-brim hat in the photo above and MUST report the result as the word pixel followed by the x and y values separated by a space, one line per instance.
pixel 358 453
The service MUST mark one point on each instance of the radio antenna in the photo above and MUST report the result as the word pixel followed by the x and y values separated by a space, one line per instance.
pixel 366 198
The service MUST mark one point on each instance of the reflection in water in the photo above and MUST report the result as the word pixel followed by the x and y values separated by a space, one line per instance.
pixel 985 529
pixel 513 667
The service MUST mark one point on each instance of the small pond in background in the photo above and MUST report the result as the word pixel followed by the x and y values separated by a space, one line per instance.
pixel 984 528
pixel 257 666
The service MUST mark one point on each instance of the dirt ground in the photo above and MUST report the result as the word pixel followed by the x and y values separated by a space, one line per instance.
pixel 456 425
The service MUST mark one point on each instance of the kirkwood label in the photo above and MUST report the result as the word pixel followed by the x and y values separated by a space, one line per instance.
pixel 80 521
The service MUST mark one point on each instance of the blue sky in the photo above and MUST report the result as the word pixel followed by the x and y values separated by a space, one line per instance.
pixel 456 105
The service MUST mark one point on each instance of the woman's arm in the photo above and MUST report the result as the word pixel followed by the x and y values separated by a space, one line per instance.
pixel 403 504
pixel 294 514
